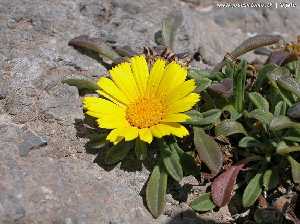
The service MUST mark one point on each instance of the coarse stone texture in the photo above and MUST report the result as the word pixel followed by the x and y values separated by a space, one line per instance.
pixel 46 175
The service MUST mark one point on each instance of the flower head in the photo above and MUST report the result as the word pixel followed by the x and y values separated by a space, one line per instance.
pixel 138 103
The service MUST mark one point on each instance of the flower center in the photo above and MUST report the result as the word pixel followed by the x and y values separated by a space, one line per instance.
pixel 145 112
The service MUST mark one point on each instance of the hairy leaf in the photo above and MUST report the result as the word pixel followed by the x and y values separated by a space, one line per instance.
pixel 262 75
pixel 208 117
pixel 187 162
pixel 203 203
pixel 203 84
pixel 117 152
pixel 170 26
pixel 259 101
pixel 140 149
pixel 294 111
pixel 280 108
pixel 295 169
pixel 248 142
pixel 252 191
pixel 282 122
pixel 97 141
pixel 96 45
pixel 287 150
pixel 239 81
pixel 229 127
pixel 270 179
pixel 208 150
pixel 156 190
pixel 234 115
pixel 171 161
pixel 289 84
pixel 223 88
pixel 262 116
pixel 83 86
pixel 222 186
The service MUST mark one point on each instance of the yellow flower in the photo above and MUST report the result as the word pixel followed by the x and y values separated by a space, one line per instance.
pixel 140 104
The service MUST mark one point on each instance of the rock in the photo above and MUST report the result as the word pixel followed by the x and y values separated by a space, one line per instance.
pixel 24 139
pixel 58 182
pixel 43 190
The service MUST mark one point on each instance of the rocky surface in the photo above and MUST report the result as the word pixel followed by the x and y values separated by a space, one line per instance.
pixel 46 176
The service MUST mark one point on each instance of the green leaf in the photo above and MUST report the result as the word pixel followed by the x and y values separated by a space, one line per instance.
pixel 287 150
pixel 270 179
pixel 259 101
pixel 292 135
pixel 198 74
pixel 262 116
pixel 239 80
pixel 156 190
pixel 295 166
pixel 252 191
pixel 229 127
pixel 187 162
pixel 95 44
pixel 83 85
pixel 202 119
pixel 248 142
pixel 282 122
pixel 290 84
pixel 294 66
pixel 171 161
pixel 203 203
pixel 117 153
pixel 262 75
pixel 170 26
pixel 208 150
pixel 97 141
pixel 140 149
pixel 234 115
pixel 273 77
pixel 203 84
pixel 280 108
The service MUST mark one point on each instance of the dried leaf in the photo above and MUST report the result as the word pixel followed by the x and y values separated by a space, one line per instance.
pixel 222 186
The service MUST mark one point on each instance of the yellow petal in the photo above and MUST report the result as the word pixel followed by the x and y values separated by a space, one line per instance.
pixel 113 135
pixel 181 91
pixel 140 71
pixel 109 87
pixel 101 106
pixel 174 75
pixel 175 118
pixel 183 104
pixel 177 129
pixel 156 74
pixel 124 79
pixel 160 130
pixel 130 133
pixel 112 121
pixel 145 135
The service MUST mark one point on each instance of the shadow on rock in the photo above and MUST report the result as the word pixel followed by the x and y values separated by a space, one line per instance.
pixel 190 217
pixel 97 145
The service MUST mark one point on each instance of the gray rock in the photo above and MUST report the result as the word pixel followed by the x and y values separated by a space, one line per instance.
pixel 23 138
pixel 58 183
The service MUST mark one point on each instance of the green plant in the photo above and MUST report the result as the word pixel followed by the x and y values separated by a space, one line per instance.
pixel 258 119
